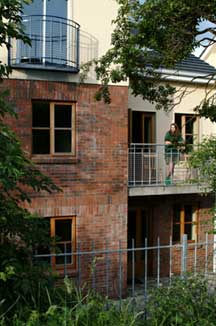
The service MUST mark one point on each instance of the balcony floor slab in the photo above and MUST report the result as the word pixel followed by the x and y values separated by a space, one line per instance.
pixel 158 190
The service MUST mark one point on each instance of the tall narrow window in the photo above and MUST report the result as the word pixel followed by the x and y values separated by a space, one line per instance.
pixel 185 221
pixel 62 128
pixel 63 229
pixel 53 128
pixel 188 125
pixel 143 127
pixel 48 34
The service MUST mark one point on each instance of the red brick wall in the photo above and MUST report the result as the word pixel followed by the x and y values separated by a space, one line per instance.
pixel 160 211
pixel 95 183
pixel 162 227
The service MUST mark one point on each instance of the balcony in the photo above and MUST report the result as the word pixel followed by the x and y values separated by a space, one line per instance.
pixel 54 44
pixel 148 171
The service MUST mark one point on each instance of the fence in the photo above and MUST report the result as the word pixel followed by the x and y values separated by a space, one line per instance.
pixel 147 165
pixel 54 42
pixel 121 272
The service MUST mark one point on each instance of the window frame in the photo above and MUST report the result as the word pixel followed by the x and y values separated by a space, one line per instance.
pixel 194 222
pixel 149 118
pixel 183 126
pixel 69 266
pixel 52 129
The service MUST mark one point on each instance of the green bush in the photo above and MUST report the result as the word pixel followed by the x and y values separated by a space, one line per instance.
pixel 75 307
pixel 186 302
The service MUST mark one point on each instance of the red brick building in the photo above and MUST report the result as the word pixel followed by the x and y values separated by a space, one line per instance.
pixel 112 181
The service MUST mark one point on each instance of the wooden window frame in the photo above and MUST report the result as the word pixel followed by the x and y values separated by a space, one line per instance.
pixel 182 223
pixel 151 117
pixel 61 267
pixel 195 118
pixel 143 115
pixel 52 129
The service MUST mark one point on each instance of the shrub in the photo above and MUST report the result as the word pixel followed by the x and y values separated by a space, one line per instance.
pixel 186 302
pixel 75 307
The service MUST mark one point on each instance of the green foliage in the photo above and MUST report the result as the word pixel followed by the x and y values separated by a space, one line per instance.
pixel 21 233
pixel 16 170
pixel 77 307
pixel 149 35
pixel 11 27
pixel 187 302
pixel 207 109
pixel 203 158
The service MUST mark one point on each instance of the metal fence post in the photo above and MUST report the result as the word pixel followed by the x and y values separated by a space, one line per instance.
pixel 93 266
pixel 158 262
pixel 107 270
pixel 78 265
pixel 65 260
pixel 120 272
pixel 146 270
pixel 133 269
pixel 170 261
pixel 184 254
pixel 206 254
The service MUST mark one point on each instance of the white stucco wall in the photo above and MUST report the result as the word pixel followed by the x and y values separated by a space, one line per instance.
pixel 95 17
pixel 162 118
pixel 194 93
pixel 95 20
pixel 209 55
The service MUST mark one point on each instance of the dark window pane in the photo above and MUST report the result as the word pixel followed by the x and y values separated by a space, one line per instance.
pixel 189 139
pixel 62 116
pixel 188 213
pixel 62 248
pixel 63 229
pixel 40 114
pixel 189 124
pixel 62 141
pixel 131 231
pixel 188 230
pixel 178 120
pixel 40 142
pixel 176 232
pixel 176 214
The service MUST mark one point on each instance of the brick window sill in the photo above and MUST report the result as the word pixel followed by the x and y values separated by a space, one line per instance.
pixel 39 159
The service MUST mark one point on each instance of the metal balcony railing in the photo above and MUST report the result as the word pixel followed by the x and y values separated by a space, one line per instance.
pixel 54 44
pixel 148 166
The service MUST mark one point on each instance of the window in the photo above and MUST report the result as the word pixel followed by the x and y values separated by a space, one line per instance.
pixel 50 38
pixel 141 127
pixel 188 125
pixel 184 222
pixel 53 128
pixel 63 229
pixel 46 7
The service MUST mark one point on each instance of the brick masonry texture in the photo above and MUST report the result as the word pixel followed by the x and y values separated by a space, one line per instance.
pixel 94 182
pixel 159 213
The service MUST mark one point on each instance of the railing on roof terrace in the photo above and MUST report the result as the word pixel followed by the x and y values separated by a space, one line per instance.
pixel 54 44
pixel 148 166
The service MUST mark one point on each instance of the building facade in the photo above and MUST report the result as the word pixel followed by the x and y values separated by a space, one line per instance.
pixel 107 158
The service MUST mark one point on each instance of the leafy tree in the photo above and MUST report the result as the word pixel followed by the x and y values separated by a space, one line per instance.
pixel 11 26
pixel 154 34
pixel 187 301
pixel 151 34
pixel 20 231
pixel 204 160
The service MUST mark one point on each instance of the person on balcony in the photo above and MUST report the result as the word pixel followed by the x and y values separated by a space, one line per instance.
pixel 173 146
